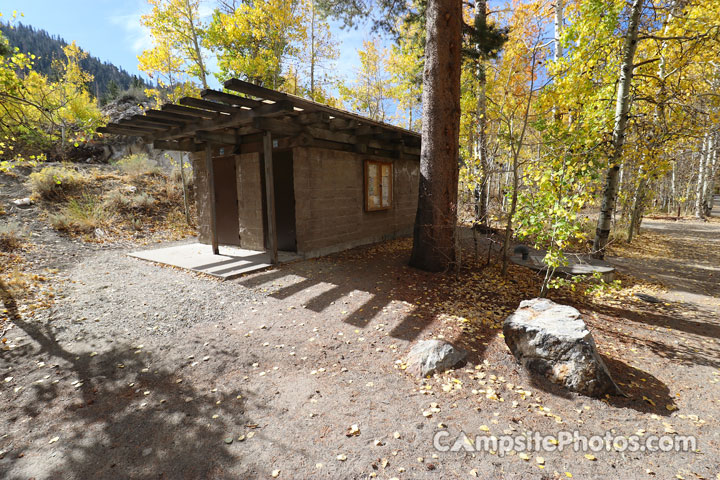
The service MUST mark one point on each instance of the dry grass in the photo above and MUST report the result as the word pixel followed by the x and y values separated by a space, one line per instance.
pixel 120 200
pixel 56 183
pixel 10 237
pixel 138 165
pixel 136 200
pixel 80 215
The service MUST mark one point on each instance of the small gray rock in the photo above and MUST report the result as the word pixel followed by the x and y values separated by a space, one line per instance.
pixel 552 340
pixel 433 356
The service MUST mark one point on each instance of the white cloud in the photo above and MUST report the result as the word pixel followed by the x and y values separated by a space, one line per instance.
pixel 137 36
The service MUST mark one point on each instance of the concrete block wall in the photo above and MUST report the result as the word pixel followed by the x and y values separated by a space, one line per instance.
pixel 202 196
pixel 250 201
pixel 329 201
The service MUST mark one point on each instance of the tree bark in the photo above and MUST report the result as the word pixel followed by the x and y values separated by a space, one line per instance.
pixel 622 107
pixel 436 219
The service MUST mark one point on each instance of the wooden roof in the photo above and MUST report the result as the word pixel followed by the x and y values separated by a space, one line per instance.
pixel 239 121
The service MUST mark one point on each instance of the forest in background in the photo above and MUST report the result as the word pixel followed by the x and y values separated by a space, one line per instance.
pixel 108 79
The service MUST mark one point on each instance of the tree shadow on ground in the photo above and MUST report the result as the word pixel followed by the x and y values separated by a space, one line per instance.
pixel 684 256
pixel 117 418
pixel 692 351
pixel 381 276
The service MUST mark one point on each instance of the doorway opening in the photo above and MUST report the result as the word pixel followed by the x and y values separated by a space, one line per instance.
pixel 226 200
pixel 284 200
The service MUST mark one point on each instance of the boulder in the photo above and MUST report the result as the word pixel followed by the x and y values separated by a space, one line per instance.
pixel 433 356
pixel 552 340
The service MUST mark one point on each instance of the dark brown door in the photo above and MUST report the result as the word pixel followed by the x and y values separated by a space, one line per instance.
pixel 284 201
pixel 226 201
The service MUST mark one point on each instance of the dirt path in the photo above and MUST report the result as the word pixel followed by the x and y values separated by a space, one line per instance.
pixel 683 255
pixel 143 372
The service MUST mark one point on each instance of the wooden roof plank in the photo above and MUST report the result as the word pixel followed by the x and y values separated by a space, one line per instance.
pixel 239 119
pixel 230 99
pixel 183 146
pixel 170 116
pixel 193 112
pixel 158 121
pixel 141 123
pixel 207 105
pixel 123 130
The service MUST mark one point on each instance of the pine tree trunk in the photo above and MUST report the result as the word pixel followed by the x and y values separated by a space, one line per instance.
pixel 436 219
pixel 622 109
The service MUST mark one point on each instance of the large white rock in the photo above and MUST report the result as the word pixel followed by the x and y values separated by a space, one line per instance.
pixel 552 340
pixel 431 356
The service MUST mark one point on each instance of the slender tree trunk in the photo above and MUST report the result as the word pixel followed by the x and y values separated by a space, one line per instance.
pixel 673 187
pixel 637 207
pixel 699 190
pixel 515 169
pixel 511 213
pixel 559 13
pixel 686 205
pixel 436 219
pixel 622 109
pixel 711 174
pixel 481 144
pixel 708 157
pixel 312 51
pixel 196 45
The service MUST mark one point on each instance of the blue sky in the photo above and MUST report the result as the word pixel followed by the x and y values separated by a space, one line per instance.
pixel 111 31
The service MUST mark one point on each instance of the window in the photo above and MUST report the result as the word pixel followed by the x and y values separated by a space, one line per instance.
pixel 378 185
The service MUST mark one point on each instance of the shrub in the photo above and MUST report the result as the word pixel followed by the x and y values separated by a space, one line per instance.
pixel 10 237
pixel 176 176
pixel 80 215
pixel 55 183
pixel 124 201
pixel 138 165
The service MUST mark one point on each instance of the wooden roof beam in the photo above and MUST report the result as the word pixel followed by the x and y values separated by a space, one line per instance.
pixel 207 105
pixel 193 112
pixel 170 116
pixel 187 145
pixel 158 121
pixel 141 123
pixel 217 138
pixel 241 118
pixel 277 126
pixel 230 99
pixel 123 130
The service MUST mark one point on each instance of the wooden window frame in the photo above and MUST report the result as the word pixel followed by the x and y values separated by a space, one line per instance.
pixel 378 183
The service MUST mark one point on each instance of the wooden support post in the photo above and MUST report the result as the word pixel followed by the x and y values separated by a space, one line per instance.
pixel 211 191
pixel 270 196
